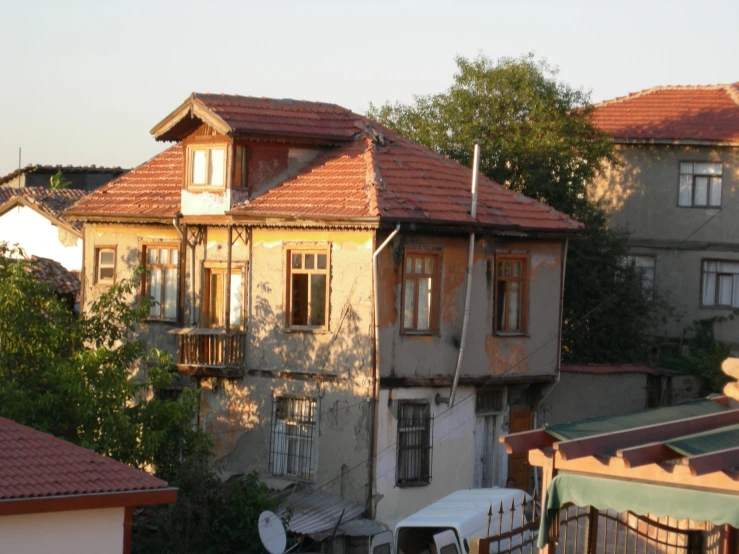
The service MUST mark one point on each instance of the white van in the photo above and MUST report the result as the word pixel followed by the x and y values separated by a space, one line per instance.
pixel 448 525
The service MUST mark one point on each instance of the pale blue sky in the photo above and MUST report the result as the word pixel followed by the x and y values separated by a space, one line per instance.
pixel 83 82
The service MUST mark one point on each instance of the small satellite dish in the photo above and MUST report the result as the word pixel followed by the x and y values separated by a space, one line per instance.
pixel 272 532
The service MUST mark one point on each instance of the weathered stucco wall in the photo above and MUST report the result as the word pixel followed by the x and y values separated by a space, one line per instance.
pixel 642 196
pixel 486 353
pixel 99 531
pixel 39 237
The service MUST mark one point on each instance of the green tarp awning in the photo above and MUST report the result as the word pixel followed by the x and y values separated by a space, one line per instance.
pixel 641 498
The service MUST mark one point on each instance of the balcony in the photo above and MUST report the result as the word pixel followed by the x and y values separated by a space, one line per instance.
pixel 211 352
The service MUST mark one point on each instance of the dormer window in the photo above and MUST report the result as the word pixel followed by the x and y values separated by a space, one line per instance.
pixel 207 166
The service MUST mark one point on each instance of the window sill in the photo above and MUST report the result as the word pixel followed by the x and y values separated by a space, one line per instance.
pixel 205 188
pixel 309 330
pixel 503 334
pixel 412 485
pixel 160 320
pixel 700 207
pixel 411 333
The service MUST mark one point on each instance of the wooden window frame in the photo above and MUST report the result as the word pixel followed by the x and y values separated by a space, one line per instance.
pixel 206 312
pixel 207 147
pixel 717 274
pixel 145 281
pixel 98 266
pixel 424 461
pixel 290 271
pixel 435 277
pixel 523 299
pixel 692 204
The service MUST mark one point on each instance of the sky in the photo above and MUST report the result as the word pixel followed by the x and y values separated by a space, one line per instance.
pixel 83 82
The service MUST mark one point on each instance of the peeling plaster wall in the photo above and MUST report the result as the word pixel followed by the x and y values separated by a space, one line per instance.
pixel 642 196
pixel 452 455
pixel 486 353
pixel 40 237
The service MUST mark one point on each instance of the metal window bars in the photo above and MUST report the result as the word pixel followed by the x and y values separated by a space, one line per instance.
pixel 291 444
pixel 414 444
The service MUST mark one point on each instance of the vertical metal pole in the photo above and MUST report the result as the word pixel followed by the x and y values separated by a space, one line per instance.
pixel 227 316
pixel 591 530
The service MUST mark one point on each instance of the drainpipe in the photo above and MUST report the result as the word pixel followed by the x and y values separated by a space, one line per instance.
pixel 468 288
pixel 376 368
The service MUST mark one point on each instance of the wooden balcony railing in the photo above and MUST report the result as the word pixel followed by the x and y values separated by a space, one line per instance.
pixel 211 352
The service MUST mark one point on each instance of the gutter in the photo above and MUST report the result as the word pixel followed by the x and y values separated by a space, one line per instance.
pixel 376 368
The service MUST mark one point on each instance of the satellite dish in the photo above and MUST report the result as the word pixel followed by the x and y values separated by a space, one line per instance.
pixel 272 532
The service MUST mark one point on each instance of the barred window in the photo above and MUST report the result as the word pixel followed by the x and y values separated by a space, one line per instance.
pixel 414 444
pixel 293 430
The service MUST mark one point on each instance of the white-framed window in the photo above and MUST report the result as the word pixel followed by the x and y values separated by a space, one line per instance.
pixel 307 288
pixel 720 283
pixel 207 166
pixel 105 265
pixel 511 294
pixel 294 432
pixel 162 280
pixel 700 184
pixel 421 278
pixel 644 267
pixel 414 444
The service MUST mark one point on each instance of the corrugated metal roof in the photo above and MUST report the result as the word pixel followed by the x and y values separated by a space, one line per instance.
pixel 354 528
pixel 313 512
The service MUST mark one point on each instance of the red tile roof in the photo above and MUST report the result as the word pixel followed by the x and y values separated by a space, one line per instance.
pixel 37 465
pixel 48 202
pixel 375 173
pixel 151 189
pixel 249 115
pixel 606 369
pixel 702 113
pixel 60 279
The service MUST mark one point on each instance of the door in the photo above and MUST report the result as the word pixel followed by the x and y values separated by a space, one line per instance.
pixel 446 543
pixel 382 543
pixel 518 464
pixel 487 460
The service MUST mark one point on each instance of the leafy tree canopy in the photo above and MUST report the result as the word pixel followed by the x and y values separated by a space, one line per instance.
pixel 535 137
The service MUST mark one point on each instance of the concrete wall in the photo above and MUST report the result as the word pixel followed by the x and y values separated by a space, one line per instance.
pixel 40 237
pixel 486 354
pixel 99 531
pixel 642 196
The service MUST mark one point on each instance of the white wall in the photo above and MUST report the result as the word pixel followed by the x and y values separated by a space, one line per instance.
pixel 452 457
pixel 39 237
pixel 98 531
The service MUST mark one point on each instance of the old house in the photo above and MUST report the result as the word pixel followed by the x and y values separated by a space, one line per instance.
pixel 85 177
pixel 58 497
pixel 676 191
pixel 309 268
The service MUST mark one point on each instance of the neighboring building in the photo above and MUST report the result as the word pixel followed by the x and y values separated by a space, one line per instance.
pixel 676 191
pixel 58 497
pixel 61 281
pixel 79 177
pixel 32 218
pixel 258 229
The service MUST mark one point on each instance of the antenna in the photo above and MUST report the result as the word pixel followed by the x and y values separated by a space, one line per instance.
pixel 19 167
pixel 272 533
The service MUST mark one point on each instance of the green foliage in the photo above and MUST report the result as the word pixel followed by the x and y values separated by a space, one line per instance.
pixel 535 137
pixel 73 377
pixel 57 181
pixel 706 355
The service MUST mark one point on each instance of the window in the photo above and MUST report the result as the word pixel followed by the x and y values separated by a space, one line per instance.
pixel 215 297
pixel 241 171
pixel 162 280
pixel 207 166
pixel 307 292
pixel 105 262
pixel 420 291
pixel 700 184
pixel 644 268
pixel 511 292
pixel 293 429
pixel 414 444
pixel 720 280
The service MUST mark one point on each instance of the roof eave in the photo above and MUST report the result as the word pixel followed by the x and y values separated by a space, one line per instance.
pixel 192 108
pixel 93 217
pixel 36 505
pixel 21 201
pixel 675 142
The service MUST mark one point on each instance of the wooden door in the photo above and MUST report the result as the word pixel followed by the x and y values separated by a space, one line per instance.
pixel 518 464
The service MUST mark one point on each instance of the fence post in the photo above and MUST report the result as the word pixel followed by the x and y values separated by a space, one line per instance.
pixel 480 546
pixel 591 531
pixel 695 541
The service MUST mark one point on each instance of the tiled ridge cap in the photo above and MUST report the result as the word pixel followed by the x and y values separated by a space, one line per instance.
pixel 730 89
pixel 201 96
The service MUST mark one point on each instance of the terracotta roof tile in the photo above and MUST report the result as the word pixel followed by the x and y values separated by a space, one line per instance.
pixel 48 202
pixel 246 114
pixel 60 279
pixel 152 189
pixel 706 113
pixel 34 464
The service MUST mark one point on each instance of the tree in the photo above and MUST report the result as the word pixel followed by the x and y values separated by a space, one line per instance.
pixel 535 137
pixel 58 182
pixel 90 381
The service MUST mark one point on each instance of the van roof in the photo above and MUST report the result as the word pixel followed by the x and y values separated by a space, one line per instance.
pixel 460 508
